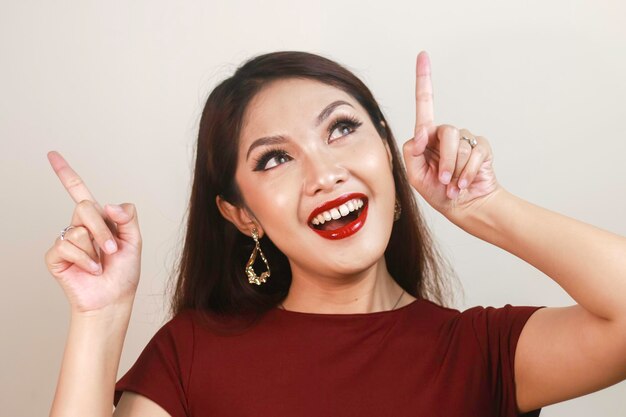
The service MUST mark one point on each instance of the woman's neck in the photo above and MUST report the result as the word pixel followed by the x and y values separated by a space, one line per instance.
pixel 369 291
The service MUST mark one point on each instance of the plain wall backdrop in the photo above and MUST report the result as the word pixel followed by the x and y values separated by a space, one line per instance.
pixel 118 87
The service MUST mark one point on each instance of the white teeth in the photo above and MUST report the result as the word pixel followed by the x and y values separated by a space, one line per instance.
pixel 338 212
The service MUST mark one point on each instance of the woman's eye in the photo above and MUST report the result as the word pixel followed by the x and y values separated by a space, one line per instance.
pixel 343 129
pixel 270 159
pixel 276 160
pixel 344 125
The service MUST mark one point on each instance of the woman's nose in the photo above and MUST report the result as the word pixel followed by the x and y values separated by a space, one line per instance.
pixel 324 173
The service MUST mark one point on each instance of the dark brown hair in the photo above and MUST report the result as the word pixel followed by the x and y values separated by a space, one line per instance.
pixel 210 274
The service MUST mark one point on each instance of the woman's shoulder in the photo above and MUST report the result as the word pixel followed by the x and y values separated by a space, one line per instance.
pixel 177 327
pixel 478 319
pixel 475 310
pixel 437 314
pixel 182 318
pixel 435 310
pixel 206 323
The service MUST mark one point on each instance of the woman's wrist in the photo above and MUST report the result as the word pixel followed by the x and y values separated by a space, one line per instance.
pixel 117 312
pixel 104 331
pixel 487 218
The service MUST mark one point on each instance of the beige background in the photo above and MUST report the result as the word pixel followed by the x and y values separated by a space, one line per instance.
pixel 117 87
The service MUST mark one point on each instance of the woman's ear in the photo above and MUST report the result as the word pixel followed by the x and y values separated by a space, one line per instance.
pixel 238 216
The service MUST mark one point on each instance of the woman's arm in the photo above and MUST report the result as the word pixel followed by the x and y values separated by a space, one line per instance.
pixel 101 299
pixel 564 352
pixel 588 262
pixel 90 363
pixel 89 370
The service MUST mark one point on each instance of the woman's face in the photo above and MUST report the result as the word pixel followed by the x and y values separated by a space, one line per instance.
pixel 323 160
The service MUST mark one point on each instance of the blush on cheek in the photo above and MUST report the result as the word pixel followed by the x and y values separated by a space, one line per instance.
pixel 375 164
pixel 373 160
pixel 282 201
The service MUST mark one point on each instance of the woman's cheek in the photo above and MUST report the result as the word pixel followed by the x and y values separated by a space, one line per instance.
pixel 279 201
pixel 370 160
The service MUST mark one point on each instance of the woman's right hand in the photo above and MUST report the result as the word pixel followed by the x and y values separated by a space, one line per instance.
pixel 70 260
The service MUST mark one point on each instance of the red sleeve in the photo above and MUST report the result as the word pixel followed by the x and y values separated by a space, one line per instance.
pixel 161 373
pixel 497 331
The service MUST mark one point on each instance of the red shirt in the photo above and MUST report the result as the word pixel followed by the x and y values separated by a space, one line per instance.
pixel 418 360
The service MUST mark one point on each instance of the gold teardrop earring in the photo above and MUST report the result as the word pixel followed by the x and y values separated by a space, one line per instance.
pixel 252 276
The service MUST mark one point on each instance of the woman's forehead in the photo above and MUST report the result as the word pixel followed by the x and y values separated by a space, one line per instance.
pixel 291 100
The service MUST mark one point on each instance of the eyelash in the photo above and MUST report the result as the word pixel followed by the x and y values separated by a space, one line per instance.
pixel 349 121
pixel 266 156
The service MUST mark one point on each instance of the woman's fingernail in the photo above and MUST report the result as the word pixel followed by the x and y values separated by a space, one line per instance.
pixel 94 267
pixel 110 246
pixel 462 183
pixel 116 208
pixel 445 177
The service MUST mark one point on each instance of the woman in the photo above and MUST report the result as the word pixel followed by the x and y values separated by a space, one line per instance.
pixel 308 283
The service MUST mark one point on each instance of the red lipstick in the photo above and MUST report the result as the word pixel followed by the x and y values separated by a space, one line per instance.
pixel 348 229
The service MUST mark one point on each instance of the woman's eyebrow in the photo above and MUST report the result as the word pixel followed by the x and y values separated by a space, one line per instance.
pixel 329 109
pixel 277 139
pixel 267 140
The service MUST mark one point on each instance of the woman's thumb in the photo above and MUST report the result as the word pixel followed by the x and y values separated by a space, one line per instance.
pixel 125 216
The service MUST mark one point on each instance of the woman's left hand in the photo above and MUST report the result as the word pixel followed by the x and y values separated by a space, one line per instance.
pixel 446 170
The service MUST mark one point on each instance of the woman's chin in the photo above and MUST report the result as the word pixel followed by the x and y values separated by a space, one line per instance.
pixel 350 260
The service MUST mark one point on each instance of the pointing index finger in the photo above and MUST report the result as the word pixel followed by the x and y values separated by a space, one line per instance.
pixel 424 114
pixel 69 178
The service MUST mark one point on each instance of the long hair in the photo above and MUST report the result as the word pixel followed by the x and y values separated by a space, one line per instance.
pixel 210 273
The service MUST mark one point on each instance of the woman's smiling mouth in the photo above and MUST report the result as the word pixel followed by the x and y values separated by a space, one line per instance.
pixel 341 217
